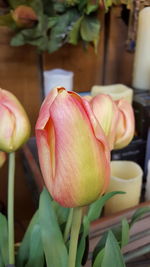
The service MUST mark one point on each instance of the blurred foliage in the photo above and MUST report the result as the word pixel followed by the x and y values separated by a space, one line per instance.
pixel 49 24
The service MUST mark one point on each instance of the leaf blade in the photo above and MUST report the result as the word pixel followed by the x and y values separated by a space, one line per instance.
pixel 96 207
pixel 4 239
pixel 52 239
pixel 112 253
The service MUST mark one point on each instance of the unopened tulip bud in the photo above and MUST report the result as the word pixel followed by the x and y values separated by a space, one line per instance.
pixel 126 124
pixel 24 16
pixel 73 151
pixel 14 123
pixel 106 112
pixel 2 158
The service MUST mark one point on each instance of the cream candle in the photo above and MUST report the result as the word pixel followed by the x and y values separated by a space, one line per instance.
pixel 141 69
pixel 125 176
pixel 116 91
pixel 147 193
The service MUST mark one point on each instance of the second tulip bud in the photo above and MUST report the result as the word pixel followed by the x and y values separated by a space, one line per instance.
pixel 14 123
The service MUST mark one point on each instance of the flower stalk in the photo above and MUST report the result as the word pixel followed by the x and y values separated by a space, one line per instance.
pixel 11 175
pixel 68 225
pixel 75 229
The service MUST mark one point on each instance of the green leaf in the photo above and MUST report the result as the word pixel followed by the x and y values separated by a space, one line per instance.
pixel 23 253
pixel 51 22
pixel 95 208
pixel 139 213
pixel 99 258
pixel 124 233
pixel 3 239
pixel 37 5
pixel 81 246
pixel 59 7
pixel 90 28
pixel 121 233
pixel 53 243
pixel 112 253
pixel 48 8
pixel 82 5
pixel 61 212
pixel 1 261
pixel 100 245
pixel 41 43
pixel 74 34
pixel 18 39
pixel 60 31
pixel 108 3
pixel 96 42
pixel 36 253
pixel 91 7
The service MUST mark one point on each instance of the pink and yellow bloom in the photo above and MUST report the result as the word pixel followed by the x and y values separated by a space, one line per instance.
pixel 106 112
pixel 126 124
pixel 14 123
pixel 73 151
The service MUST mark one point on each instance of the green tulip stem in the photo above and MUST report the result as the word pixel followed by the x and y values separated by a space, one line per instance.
pixel 75 229
pixel 11 175
pixel 68 225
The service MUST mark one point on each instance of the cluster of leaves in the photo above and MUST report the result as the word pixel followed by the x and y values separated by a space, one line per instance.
pixel 58 22
pixel 109 3
pixel 43 243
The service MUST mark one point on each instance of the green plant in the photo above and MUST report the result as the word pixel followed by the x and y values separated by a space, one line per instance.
pixel 49 24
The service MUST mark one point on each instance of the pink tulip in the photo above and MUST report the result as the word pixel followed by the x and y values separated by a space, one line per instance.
pixel 2 158
pixel 126 124
pixel 14 123
pixel 106 112
pixel 73 151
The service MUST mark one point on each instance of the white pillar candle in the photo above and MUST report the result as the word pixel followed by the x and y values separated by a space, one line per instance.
pixel 141 70
pixel 126 176
pixel 57 77
pixel 116 91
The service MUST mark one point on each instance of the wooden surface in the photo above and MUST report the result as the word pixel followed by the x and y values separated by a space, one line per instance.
pixel 88 66
pixel 19 74
pixel 119 61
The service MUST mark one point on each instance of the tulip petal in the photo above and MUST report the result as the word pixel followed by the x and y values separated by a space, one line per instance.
pixel 99 133
pixel 126 124
pixel 44 111
pixel 7 127
pixel 78 155
pixel 44 157
pixel 106 113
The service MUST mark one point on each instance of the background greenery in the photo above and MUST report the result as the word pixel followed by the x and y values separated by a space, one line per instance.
pixel 49 24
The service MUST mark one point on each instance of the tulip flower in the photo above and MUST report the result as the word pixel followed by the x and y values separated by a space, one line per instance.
pixel 24 16
pixel 73 151
pixel 14 123
pixel 2 158
pixel 106 113
pixel 125 125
